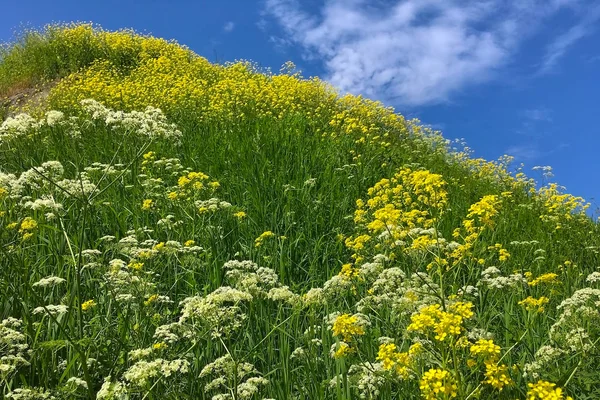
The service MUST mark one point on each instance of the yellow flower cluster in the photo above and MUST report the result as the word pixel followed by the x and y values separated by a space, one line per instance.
pixel 549 278
pixel 401 362
pixel 443 324
pixel 438 384
pixel 497 375
pixel 133 71
pixel 533 304
pixel 480 216
pixel 147 204
pixel 260 239
pixel 410 199
pixel 28 225
pixel 88 305
pixel 486 349
pixel 342 350
pixel 348 272
pixel 347 326
pixel 544 390
pixel 560 207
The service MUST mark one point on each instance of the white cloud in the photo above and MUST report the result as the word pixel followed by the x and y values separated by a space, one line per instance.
pixel 411 52
pixel 525 152
pixel 559 46
pixel 540 114
pixel 229 26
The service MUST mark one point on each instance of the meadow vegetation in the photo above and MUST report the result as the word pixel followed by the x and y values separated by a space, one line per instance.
pixel 176 229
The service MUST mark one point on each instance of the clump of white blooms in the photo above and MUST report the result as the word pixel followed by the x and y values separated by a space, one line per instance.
pixel 151 122
pixel 30 394
pixel 52 309
pixel 493 279
pixel 143 373
pixel 315 296
pixel 18 126
pixel 576 331
pixel 75 383
pixel 257 281
pixel 593 277
pixel 368 379
pixel 403 294
pixel 112 390
pixel 13 347
pixel 220 312
pixel 225 373
pixel 49 282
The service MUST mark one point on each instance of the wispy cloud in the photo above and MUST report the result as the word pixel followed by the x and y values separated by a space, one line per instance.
pixel 532 151
pixel 539 114
pixel 524 152
pixel 229 26
pixel 561 44
pixel 411 52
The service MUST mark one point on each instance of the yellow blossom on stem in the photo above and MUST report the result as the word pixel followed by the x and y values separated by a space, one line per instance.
pixel 533 304
pixel 347 326
pixel 87 305
pixel 544 390
pixel 438 384
pixel 497 375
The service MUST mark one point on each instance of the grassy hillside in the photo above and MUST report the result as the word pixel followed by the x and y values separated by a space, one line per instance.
pixel 177 229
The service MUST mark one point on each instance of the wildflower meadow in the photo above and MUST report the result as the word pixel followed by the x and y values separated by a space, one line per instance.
pixel 176 229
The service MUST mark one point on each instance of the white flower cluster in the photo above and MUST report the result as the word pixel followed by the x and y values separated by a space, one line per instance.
pixel 368 378
pixel 151 122
pixel 404 295
pixel 143 373
pixel 13 347
pixel 49 282
pixel 112 390
pixel 226 373
pixel 52 309
pixel 219 312
pixel 493 279
pixel 30 394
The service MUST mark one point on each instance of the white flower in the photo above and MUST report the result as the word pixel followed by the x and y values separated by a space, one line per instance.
pixel 52 309
pixel 49 281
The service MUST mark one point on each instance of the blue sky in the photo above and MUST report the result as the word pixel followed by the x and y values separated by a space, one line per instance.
pixel 519 77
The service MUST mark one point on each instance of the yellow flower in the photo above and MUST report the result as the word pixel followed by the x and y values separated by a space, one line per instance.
pixel 545 278
pixel 545 390
pixel 172 196
pixel 348 272
pixel 462 308
pixel 159 346
pixel 342 350
pixel 151 300
pixel 265 235
pixel 444 324
pixel 147 204
pixel 12 225
pixel 347 326
pixel 532 304
pixel 136 265
pixel 496 375
pixel 28 224
pixel 87 305
pixel 240 215
pixel 438 384
pixel 189 243
pixel 486 349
